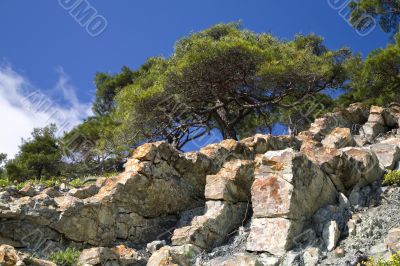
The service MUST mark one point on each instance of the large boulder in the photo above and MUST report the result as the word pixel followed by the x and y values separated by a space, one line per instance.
pixel 260 144
pixel 212 228
pixel 347 167
pixel 287 190
pixel 379 121
pixel 8 256
pixel 366 168
pixel 356 114
pixel 232 183
pixel 118 256
pixel 180 255
pixel 228 200
pixel 387 154
pixel 393 240
pixel 287 184
pixel 244 259
pixel 338 138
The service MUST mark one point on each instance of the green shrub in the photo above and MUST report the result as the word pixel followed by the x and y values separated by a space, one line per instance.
pixel 110 174
pixel 394 260
pixel 35 182
pixel 392 178
pixel 76 183
pixel 68 257
pixel 5 182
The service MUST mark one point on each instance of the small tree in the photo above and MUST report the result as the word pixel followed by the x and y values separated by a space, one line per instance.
pixel 39 156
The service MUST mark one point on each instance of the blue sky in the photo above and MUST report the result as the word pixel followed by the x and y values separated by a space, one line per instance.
pixel 45 51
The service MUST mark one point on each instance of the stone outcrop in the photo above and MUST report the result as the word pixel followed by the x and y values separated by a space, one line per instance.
pixel 379 121
pixel 352 117
pixel 284 191
pixel 118 256
pixel 180 255
pixel 338 138
pixel 288 189
pixel 228 197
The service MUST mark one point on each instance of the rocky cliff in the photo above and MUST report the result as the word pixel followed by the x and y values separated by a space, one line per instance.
pixel 264 200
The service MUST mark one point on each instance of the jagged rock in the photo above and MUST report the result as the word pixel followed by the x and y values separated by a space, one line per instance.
pixel 360 197
pixel 245 259
pixel 344 202
pixel 387 154
pixel 31 261
pixel 338 138
pixel 85 192
pixel 365 165
pixel 287 184
pixel 332 162
pixel 260 144
pixel 331 235
pixel 393 240
pixel 28 190
pixel 351 224
pixel 225 151
pixel 379 251
pixel 8 256
pixel 8 241
pixel 330 213
pixel 288 189
pixel 339 252
pixel 311 256
pixel 212 228
pixel 292 258
pixel 378 121
pixel 118 256
pixel 360 140
pixel 273 235
pixel 232 183
pixel 355 114
pixel 179 255
pixel 371 130
pixel 155 245
pixel 98 256
pixel 228 195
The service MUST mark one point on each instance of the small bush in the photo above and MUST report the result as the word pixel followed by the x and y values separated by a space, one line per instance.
pixel 76 183
pixel 110 174
pixel 68 257
pixel 393 261
pixel 392 178
pixel 5 182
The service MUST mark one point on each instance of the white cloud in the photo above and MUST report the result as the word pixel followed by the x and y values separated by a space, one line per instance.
pixel 24 107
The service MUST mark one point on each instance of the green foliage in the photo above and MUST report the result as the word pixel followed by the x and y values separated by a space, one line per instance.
pixel 4 182
pixel 16 170
pixel 392 178
pixel 3 158
pixel 38 157
pixel 77 182
pixel 107 87
pixel 375 80
pixel 55 181
pixel 68 257
pixel 386 12
pixel 224 78
pixel 394 260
